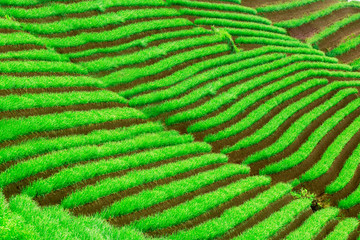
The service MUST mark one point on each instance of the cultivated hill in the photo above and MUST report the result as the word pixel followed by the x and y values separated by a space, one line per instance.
pixel 178 119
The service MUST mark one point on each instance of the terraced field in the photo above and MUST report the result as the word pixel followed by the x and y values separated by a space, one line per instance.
pixel 178 119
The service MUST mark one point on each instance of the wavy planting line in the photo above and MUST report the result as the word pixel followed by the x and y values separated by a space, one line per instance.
pixel 148 198
pixel 324 164
pixel 161 50
pixel 311 17
pixel 142 42
pixel 43 145
pixel 262 110
pixel 34 54
pixel 17 38
pixel 73 175
pixel 276 121
pixel 293 132
pixel 199 205
pixel 25 101
pixel 284 6
pixel 60 9
pixel 234 216
pixel 258 33
pixel 278 220
pixel 96 21
pixel 192 82
pixel 225 15
pixel 344 47
pixel 343 229
pixel 314 224
pixel 13 128
pixel 233 93
pixel 135 178
pixel 130 74
pixel 306 148
pixel 351 200
pixel 267 41
pixel 115 34
pixel 239 24
pixel 213 6
pixel 39 164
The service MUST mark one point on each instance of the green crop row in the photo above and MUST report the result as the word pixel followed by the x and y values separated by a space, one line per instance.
pixel 306 148
pixel 43 145
pixel 60 9
pixel 190 83
pixel 18 38
pixel 356 64
pixel 284 6
pixel 184 74
pixel 344 47
pixel 148 198
pixel 15 102
pixel 280 118
pixel 141 56
pixel 142 42
pixel 233 93
pixel 25 2
pixel 332 29
pixel 42 55
pixel 238 24
pixel 343 229
pixel 12 82
pixel 131 74
pixel 262 110
pixel 314 224
pixel 267 41
pixel 22 218
pixel 213 6
pixel 211 88
pixel 311 17
pixel 70 24
pixel 40 66
pixel 225 15
pixel 199 205
pixel 327 159
pixel 85 153
pixel 351 200
pixel 297 127
pixel 70 176
pixel 202 66
pixel 278 220
pixel 258 33
pixel 233 216
pixel 13 128
pixel 115 34
pixel 346 173
pixel 135 178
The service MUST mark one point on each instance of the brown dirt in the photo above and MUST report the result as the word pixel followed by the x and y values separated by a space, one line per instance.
pixel 350 56
pixel 258 217
pixel 213 213
pixel 260 3
pixel 328 228
pixel 93 207
pixel 58 109
pixel 76 130
pixel 126 219
pixel 22 47
pixel 309 29
pixel 298 12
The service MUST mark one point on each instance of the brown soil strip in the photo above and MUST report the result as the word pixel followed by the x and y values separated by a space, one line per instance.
pixel 127 219
pixel 258 217
pixel 298 12
pixel 309 29
pixel 59 109
pixel 8 30
pixel 333 40
pixel 355 234
pixel 20 91
pixel 152 61
pixel 298 221
pixel 260 3
pixel 56 196
pixel 350 56
pixel 329 227
pixel 213 213
pixel 91 208
pixel 74 131
pixel 20 47
pixel 302 138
